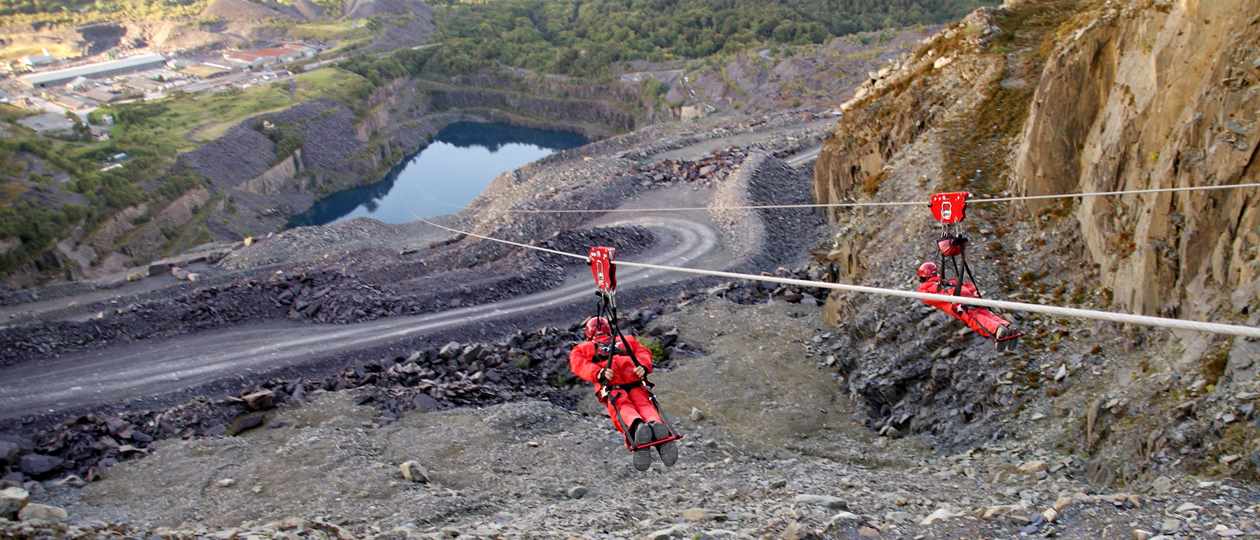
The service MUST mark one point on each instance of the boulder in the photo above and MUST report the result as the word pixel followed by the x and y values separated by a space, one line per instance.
pixel 450 350
pixel 8 453
pixel 39 465
pixel 159 268
pixel 413 472
pixel 1033 467
pixel 472 353
pixel 42 513
pixel 12 500
pixel 940 514
pixel 259 401
pixel 1227 532
pixel 826 501
pixel 245 422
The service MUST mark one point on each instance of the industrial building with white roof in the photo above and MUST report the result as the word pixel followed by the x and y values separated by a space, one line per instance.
pixel 108 68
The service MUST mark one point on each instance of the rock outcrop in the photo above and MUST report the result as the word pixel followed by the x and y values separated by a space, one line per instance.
pixel 898 104
pixel 1156 95
pixel 596 110
pixel 1063 96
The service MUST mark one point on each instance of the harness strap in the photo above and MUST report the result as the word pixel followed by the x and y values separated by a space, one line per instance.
pixel 627 386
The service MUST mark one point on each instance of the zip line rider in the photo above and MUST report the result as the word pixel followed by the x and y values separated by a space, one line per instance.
pixel 618 366
pixel 950 210
pixel 621 390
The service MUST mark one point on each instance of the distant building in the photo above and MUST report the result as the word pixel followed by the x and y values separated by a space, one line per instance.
pixel 98 70
pixel 105 94
pixel 77 84
pixel 271 55
pixel 71 103
pixel 37 60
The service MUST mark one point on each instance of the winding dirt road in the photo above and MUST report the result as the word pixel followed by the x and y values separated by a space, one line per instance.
pixel 135 370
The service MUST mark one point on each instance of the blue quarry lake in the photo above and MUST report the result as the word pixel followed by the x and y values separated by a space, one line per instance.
pixel 443 177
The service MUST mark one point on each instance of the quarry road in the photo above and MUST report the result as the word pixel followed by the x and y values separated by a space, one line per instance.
pixel 138 370
pixel 805 156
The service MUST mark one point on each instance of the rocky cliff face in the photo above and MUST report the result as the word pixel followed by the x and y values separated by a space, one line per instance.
pixel 1133 95
pixel 595 110
pixel 1156 95
pixel 1062 97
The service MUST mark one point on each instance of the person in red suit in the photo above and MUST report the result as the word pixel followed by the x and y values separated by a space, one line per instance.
pixel 981 320
pixel 620 388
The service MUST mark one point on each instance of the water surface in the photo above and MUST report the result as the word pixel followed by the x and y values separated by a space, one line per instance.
pixel 443 177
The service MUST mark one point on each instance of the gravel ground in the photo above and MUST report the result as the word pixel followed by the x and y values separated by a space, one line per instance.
pixel 771 450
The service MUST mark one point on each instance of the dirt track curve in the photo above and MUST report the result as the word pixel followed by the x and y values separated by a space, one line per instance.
pixel 145 369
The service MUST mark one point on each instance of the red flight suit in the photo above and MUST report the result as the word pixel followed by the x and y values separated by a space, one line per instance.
pixel 632 402
pixel 980 319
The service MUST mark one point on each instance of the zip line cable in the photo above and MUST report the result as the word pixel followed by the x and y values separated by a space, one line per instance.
pixel 989 200
pixel 1109 316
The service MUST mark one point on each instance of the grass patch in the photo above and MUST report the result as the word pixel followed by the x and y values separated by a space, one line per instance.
pixel 871 183
pixel 10 113
pixel 1239 439
pixel 180 123
pixel 651 344
pixel 194 232
pixel 78 12
pixel 10 192
pixel 14 51
pixel 1212 365
pixel 980 141
pixel 353 29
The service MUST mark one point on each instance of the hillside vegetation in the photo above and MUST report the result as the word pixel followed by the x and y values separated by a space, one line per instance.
pixel 33 206
pixel 588 37
pixel 84 11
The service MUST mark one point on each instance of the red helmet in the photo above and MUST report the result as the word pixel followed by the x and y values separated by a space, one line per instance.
pixel 597 326
pixel 927 270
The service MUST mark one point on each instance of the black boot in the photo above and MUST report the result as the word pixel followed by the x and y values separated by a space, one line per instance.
pixel 641 434
pixel 669 450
